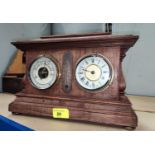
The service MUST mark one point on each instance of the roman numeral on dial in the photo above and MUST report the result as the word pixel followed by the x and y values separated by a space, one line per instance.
pixel 93 72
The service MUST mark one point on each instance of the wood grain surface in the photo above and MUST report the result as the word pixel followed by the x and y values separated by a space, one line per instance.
pixel 107 106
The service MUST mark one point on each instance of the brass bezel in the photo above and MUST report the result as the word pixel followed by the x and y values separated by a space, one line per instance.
pixel 57 68
pixel 111 71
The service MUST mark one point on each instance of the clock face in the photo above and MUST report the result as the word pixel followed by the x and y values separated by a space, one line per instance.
pixel 93 72
pixel 43 73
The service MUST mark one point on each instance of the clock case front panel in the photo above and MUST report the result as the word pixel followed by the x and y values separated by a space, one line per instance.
pixel 72 57
pixel 107 106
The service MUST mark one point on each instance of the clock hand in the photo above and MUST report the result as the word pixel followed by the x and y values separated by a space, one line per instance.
pixel 92 72
pixel 86 70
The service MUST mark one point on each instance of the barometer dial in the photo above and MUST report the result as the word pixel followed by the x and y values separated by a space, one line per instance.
pixel 43 72
pixel 93 72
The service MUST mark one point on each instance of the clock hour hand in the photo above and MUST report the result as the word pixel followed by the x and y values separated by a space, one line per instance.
pixel 86 70
pixel 92 72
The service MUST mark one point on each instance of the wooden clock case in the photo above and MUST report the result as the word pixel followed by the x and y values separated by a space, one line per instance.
pixel 108 106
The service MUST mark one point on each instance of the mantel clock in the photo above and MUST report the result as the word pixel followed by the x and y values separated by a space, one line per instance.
pixel 76 77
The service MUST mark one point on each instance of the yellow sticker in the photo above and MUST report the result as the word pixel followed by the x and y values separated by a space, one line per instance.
pixel 60 113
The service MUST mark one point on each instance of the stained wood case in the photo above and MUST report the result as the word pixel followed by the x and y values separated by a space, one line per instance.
pixel 106 106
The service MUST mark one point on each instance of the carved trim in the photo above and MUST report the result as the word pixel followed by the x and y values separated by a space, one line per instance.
pixel 80 41
pixel 122 83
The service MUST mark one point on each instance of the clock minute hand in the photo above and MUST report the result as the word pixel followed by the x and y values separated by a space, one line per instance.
pixel 92 72
pixel 86 70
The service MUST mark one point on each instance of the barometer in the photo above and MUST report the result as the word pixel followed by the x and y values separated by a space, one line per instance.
pixel 43 72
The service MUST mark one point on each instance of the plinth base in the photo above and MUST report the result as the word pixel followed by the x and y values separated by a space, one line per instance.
pixel 109 112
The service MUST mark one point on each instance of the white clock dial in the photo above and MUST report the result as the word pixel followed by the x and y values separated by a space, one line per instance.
pixel 93 72
pixel 43 72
